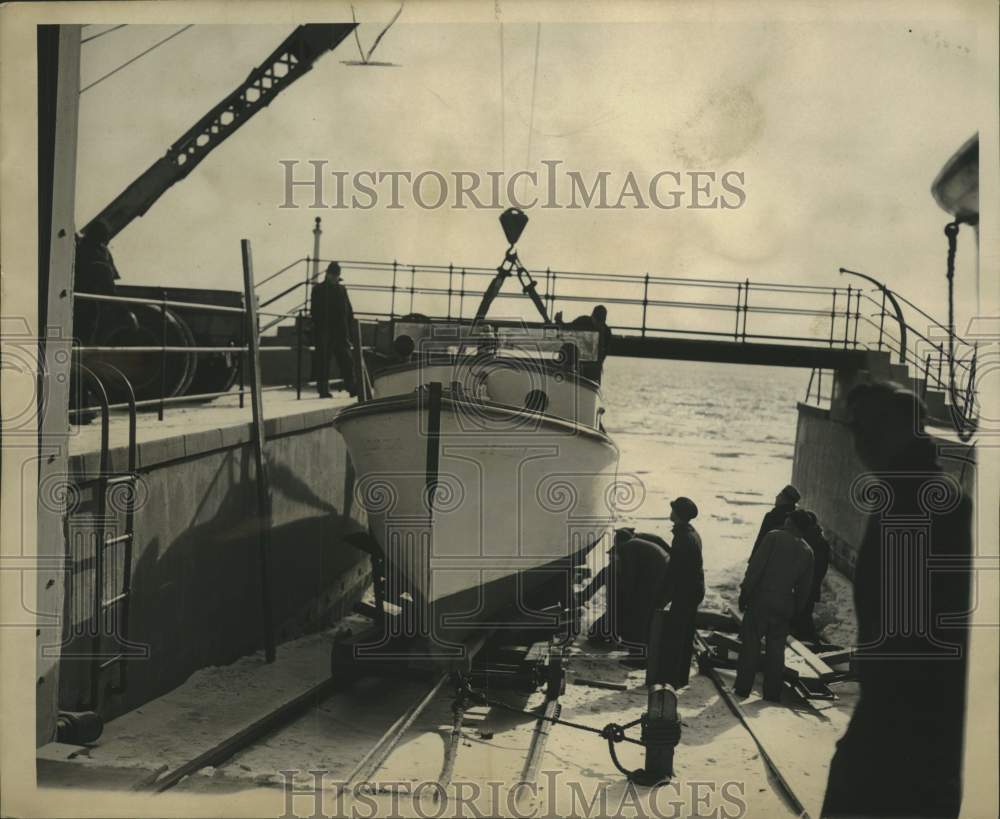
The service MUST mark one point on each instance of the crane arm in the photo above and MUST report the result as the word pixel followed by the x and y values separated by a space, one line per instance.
pixel 289 61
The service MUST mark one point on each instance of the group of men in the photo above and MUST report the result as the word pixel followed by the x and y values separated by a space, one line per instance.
pixel 656 589
pixel 902 752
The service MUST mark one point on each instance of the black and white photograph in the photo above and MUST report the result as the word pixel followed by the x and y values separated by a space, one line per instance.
pixel 508 409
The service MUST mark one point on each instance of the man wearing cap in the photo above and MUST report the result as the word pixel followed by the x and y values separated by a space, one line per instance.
pixel 902 752
pixel 332 320
pixel 784 504
pixel 776 587
pixel 685 589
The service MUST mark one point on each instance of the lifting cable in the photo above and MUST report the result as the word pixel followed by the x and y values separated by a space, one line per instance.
pixel 136 57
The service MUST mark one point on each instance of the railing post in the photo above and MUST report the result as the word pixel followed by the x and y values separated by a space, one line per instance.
pixel 812 375
pixel 927 375
pixel 940 351
pixel 451 271
pixel 746 304
pixel 552 307
pixel 163 353
pixel 392 302
pixel 413 284
pixel 847 316
pixel 317 232
pixel 819 386
pixel 241 360
pixel 833 315
pixel 548 288
pixel 881 321
pixel 739 303
pixel 857 316
pixel 264 509
pixel 645 302
pixel 298 355
pixel 461 296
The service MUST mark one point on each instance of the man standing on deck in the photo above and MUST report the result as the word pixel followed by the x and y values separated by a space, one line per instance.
pixel 596 321
pixel 685 589
pixel 902 751
pixel 332 319
pixel 784 505
pixel 803 626
pixel 776 587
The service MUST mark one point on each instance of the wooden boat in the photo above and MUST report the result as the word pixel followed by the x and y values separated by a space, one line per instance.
pixel 484 468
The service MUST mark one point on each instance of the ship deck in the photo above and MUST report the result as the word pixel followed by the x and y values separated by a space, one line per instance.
pixel 191 430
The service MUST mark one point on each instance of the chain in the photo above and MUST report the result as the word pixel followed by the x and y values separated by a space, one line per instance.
pixel 612 732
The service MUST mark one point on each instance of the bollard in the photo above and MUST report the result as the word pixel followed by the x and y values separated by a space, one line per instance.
pixel 661 731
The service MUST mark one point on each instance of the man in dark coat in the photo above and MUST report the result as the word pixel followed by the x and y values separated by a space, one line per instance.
pixel 332 320
pixel 784 505
pixel 685 589
pixel 640 570
pixel 94 271
pixel 803 626
pixel 902 751
pixel 596 321
pixel 777 585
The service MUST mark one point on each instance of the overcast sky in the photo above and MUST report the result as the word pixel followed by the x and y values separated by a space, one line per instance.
pixel 839 128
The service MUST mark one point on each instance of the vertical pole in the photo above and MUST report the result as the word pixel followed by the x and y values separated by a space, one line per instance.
pixel 881 320
pixel 746 302
pixel 317 233
pixel 163 353
pixel 819 387
pixel 461 296
pixel 451 271
pixel 263 492
pixel 392 303
pixel 241 361
pixel 940 352
pixel 357 354
pixel 847 316
pixel 298 355
pixel 857 316
pixel 739 303
pixel 58 62
pixel 833 315
pixel 552 310
pixel 645 302
pixel 413 284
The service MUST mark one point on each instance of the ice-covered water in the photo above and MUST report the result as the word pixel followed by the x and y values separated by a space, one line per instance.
pixel 721 434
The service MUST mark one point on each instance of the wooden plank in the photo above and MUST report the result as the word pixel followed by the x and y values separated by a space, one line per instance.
pixel 818 666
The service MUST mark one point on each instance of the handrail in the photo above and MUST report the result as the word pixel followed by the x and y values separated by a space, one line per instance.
pixel 217 308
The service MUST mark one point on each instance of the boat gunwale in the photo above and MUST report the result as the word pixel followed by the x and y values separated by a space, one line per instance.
pixel 392 403
pixel 454 359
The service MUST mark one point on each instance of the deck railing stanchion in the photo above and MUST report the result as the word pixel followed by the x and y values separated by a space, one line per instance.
pixel 461 295
pixel 746 304
pixel 819 387
pixel 927 375
pixel 263 490
pixel 645 302
pixel 833 316
pixel 163 354
pixel 392 302
pixel 298 355
pixel 847 316
pixel 739 303
pixel 451 272
pixel 413 284
pixel 881 321
pixel 857 315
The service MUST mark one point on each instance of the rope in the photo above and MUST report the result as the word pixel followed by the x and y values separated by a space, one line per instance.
pixel 102 33
pixel 531 118
pixel 136 57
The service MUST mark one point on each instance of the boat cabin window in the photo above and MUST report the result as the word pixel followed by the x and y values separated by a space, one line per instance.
pixel 536 401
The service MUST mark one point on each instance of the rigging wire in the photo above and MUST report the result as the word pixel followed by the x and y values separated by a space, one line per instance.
pixel 503 112
pixel 136 57
pixel 531 119
pixel 102 33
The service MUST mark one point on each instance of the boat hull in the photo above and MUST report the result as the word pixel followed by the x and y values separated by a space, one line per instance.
pixel 476 504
